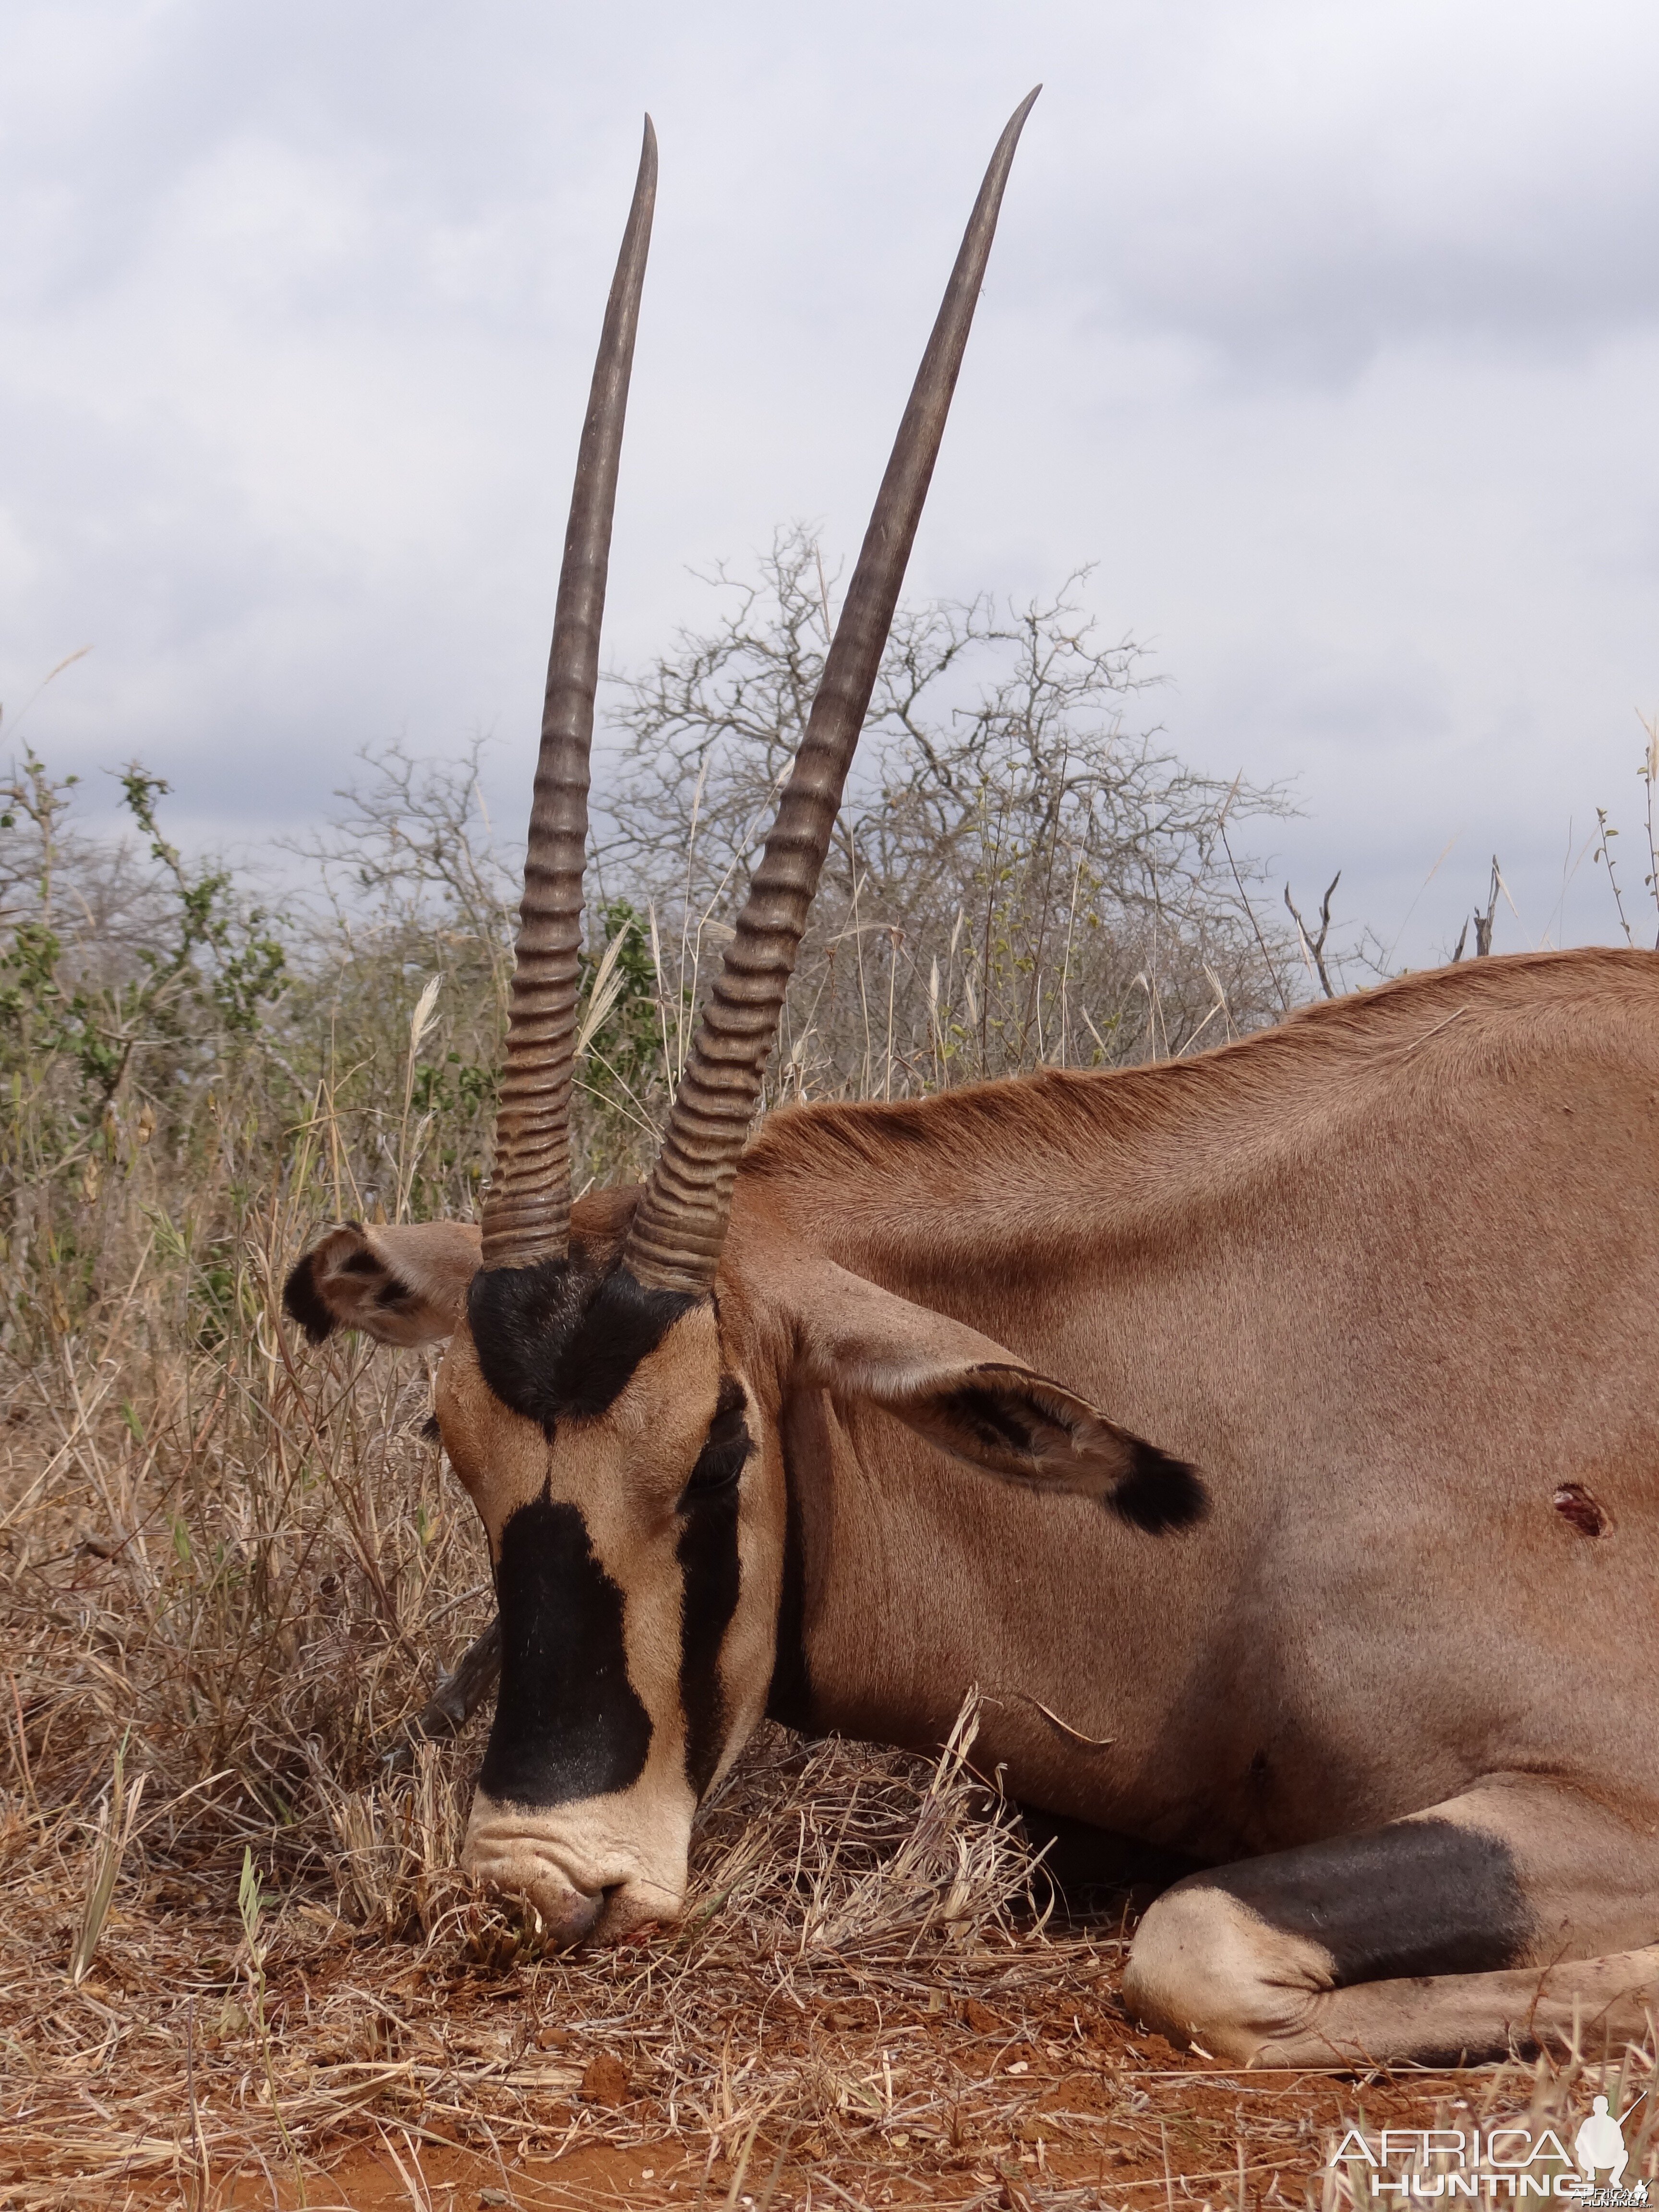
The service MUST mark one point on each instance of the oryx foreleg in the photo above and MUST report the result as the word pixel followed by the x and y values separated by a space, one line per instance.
pixel 452 1703
pixel 1517 1917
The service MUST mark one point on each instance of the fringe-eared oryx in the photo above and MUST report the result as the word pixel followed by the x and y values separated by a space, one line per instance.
pixel 1284 1420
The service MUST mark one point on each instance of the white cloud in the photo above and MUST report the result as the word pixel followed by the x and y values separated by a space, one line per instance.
pixel 1331 332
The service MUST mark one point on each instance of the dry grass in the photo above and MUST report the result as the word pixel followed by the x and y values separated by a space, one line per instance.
pixel 238 1585
pixel 860 2007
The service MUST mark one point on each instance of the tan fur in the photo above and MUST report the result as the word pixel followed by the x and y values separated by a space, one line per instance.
pixel 861 1342
pixel 1389 1276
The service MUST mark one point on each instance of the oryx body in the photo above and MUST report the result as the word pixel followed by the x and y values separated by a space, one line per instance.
pixel 1347 1589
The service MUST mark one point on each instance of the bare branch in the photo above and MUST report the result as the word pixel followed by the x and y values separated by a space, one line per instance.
pixel 1313 948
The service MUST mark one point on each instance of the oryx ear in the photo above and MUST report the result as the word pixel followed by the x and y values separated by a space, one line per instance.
pixel 1001 1416
pixel 974 1398
pixel 405 1285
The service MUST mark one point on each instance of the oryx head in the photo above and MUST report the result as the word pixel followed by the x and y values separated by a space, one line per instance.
pixel 602 1395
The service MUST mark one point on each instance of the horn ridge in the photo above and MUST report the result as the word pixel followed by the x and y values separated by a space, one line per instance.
pixel 679 1225
pixel 526 1210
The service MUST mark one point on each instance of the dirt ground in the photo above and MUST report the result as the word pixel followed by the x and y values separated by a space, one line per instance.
pixel 1228 2140
pixel 1053 2101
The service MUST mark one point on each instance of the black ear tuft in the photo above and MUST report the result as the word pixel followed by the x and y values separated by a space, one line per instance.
pixel 301 1302
pixel 1158 1493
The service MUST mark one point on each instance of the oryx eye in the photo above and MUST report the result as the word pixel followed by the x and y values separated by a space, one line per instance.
pixel 725 1448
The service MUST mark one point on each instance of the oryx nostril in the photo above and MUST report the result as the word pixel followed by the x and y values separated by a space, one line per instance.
pixel 566 1915
pixel 581 1881
pixel 573 1916
pixel 550 1902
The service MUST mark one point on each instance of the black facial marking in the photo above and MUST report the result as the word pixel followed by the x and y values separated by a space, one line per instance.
pixel 301 1303
pixel 1423 1897
pixel 726 1447
pixel 569 1723
pixel 1158 1493
pixel 561 1340
pixel 707 1553
pixel 789 1694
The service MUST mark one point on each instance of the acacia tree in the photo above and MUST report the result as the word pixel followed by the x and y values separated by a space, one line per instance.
pixel 1018 877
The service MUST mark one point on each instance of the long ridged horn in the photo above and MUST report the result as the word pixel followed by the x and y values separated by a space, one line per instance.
pixel 674 1242
pixel 526 1212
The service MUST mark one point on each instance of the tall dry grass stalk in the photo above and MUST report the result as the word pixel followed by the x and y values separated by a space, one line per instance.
pixel 116 1819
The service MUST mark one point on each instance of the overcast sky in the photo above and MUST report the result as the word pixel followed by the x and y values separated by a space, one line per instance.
pixel 1330 331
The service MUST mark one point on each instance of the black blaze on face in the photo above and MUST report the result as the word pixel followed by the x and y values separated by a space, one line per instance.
pixel 569 1723
pixel 561 1340
pixel 707 1553
pixel 558 1342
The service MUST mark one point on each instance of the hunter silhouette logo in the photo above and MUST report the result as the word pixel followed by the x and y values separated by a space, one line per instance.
pixel 1599 2148
pixel 1489 2163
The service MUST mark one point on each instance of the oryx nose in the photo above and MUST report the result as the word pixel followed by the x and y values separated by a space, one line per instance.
pixel 569 1915
pixel 512 1861
pixel 582 1882
pixel 566 1914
